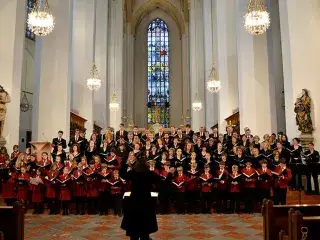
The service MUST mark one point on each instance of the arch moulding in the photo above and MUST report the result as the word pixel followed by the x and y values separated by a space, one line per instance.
pixel 150 6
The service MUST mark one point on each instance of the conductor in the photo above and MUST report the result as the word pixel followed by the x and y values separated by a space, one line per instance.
pixel 139 218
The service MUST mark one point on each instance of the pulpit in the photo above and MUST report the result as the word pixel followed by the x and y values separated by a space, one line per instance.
pixel 39 147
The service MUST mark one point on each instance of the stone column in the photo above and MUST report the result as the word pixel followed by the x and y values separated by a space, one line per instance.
pixel 300 32
pixel 208 60
pixel 129 68
pixel 115 59
pixel 82 54
pixel 275 68
pixel 185 76
pixel 197 77
pixel 100 100
pixel 253 77
pixel 226 40
pixel 53 69
pixel 12 32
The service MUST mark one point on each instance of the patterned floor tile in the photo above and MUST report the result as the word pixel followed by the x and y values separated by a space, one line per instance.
pixel 175 227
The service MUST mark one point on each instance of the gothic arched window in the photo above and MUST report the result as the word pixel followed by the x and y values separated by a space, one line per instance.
pixel 158 73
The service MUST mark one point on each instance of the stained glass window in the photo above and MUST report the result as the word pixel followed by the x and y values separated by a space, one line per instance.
pixel 29 34
pixel 158 73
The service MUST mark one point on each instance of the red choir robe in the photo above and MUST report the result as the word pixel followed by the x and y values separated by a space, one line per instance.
pixel 222 180
pixel 37 191
pixel 3 158
pixel 283 176
pixel 14 155
pixel 180 182
pixel 9 186
pixel 193 180
pixel 113 163
pixel 60 166
pixel 103 184
pixel 264 178
pixel 51 184
pixel 79 184
pixel 97 167
pixel 92 183
pixel 65 190
pixel 23 186
pixel 235 182
pixel 206 182
pixel 116 185
pixel 249 177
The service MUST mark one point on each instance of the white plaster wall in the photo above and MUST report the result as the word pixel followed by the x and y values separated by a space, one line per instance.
pixel 301 56
pixel 140 67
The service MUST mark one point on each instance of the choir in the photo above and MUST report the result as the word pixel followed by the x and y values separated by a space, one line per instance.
pixel 196 171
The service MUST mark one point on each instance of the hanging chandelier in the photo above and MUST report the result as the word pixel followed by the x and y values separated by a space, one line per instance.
pixel 114 105
pixel 93 81
pixel 213 84
pixel 257 19
pixel 25 106
pixel 40 20
pixel 197 104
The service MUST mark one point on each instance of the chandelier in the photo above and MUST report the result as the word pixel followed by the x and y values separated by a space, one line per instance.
pixel 257 19
pixel 40 20
pixel 25 106
pixel 197 104
pixel 213 84
pixel 114 105
pixel 93 81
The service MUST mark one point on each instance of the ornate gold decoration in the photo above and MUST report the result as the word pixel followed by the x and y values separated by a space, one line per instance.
pixel 4 99
pixel 302 108
pixel 150 6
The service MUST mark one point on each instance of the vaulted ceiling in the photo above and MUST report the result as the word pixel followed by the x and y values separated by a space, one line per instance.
pixel 135 10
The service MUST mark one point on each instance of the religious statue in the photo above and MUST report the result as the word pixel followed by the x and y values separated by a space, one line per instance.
pixel 302 108
pixel 4 99
pixel 157 113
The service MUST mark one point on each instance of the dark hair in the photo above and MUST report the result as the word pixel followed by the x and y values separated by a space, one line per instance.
pixel 297 139
pixel 141 165
pixel 188 125
pixel 60 131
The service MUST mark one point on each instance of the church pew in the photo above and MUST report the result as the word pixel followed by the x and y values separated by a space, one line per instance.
pixel 275 218
pixel 300 223
pixel 283 235
pixel 12 222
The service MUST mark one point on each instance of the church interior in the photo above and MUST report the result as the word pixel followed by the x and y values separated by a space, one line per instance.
pixel 217 96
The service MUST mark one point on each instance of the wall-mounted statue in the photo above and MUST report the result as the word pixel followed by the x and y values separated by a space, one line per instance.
pixel 4 99
pixel 302 108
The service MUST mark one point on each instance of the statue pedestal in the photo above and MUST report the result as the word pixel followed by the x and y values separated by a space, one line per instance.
pixel 3 142
pixel 305 139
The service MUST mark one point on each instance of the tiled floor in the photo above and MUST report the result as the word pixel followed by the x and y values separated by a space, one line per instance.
pixel 176 227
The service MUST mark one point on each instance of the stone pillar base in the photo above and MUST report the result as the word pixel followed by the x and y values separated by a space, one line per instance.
pixel 305 139
pixel 3 142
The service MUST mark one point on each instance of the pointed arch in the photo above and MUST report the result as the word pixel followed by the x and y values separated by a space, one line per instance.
pixel 164 5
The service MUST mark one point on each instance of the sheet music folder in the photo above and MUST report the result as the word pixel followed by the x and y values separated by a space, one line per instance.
pixel 128 194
